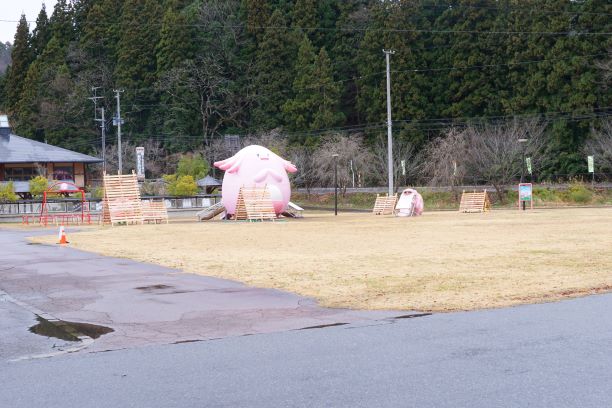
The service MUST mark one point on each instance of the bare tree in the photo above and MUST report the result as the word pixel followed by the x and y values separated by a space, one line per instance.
pixel 355 161
pixel 495 155
pixel 216 150
pixel 157 161
pixel 489 153
pixel 303 157
pixel 606 69
pixel 445 159
pixel 273 140
pixel 600 145
pixel 403 151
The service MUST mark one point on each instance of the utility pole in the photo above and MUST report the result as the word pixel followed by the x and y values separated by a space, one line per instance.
pixel 388 54
pixel 103 127
pixel 117 121
pixel 102 124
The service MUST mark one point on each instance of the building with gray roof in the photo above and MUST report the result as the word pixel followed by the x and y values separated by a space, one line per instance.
pixel 22 159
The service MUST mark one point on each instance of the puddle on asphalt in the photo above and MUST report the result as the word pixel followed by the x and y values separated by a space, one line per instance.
pixel 68 331
pixel 322 326
pixel 412 316
pixel 151 288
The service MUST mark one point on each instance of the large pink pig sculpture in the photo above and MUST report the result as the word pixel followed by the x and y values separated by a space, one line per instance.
pixel 256 166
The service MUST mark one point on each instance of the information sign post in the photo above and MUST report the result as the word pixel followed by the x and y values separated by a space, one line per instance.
pixel 525 195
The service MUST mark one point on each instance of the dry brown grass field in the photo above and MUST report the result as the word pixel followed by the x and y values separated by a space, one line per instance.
pixel 441 261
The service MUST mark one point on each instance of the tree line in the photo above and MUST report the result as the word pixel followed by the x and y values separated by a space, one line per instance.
pixel 308 71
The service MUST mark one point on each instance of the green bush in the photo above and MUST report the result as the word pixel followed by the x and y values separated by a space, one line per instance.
pixel 97 192
pixel 181 185
pixel 193 165
pixel 38 185
pixel 545 195
pixel 579 193
pixel 7 192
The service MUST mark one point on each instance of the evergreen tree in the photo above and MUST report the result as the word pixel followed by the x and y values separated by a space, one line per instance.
pixel 273 73
pixel 176 38
pixel 257 14
pixel 316 19
pixel 327 114
pixel 394 27
pixel 304 17
pixel 61 24
pixel 473 74
pixel 100 32
pixel 41 34
pixel 298 111
pixel 21 59
pixel 316 100
pixel 559 79
pixel 352 22
pixel 136 69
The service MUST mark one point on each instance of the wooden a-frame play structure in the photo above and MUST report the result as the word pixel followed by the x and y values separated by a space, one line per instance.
pixel 122 203
pixel 254 204
pixel 474 202
pixel 385 204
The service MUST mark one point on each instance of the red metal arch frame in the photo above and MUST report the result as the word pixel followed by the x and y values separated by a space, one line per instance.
pixel 61 187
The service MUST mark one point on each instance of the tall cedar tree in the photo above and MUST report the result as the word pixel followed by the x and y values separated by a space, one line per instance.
pixel 409 86
pixel 352 21
pixel 136 70
pixel 273 72
pixel 41 34
pixel 257 14
pixel 317 96
pixel 21 59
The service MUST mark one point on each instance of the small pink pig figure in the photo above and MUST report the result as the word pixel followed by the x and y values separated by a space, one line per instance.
pixel 256 166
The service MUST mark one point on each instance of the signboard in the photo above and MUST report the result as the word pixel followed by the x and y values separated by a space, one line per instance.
pixel 591 162
pixel 525 193
pixel 528 162
pixel 140 167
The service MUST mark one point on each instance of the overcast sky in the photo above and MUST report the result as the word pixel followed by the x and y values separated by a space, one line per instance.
pixel 11 10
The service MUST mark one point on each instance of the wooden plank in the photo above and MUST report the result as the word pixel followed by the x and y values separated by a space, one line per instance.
pixel 154 211
pixel 474 202
pixel 122 200
pixel 384 205
pixel 254 204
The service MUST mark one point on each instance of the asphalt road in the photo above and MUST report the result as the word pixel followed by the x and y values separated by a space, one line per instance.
pixel 548 355
pixel 144 304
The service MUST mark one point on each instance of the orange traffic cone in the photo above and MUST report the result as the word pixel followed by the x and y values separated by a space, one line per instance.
pixel 62 236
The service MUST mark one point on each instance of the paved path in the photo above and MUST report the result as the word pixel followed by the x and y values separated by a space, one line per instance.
pixel 145 304
pixel 549 355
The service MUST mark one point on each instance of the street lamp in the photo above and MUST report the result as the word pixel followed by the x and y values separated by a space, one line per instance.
pixel 523 143
pixel 335 156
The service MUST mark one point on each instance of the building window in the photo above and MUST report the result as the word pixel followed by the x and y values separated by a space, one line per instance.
pixel 20 173
pixel 63 173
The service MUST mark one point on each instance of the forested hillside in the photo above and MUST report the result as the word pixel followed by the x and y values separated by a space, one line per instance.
pixel 194 71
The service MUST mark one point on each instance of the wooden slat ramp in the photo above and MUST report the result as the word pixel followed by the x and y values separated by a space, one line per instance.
pixel 474 202
pixel 254 204
pixel 154 211
pixel 384 205
pixel 122 203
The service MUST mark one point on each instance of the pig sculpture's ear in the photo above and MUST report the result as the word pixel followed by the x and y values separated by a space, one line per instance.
pixel 230 165
pixel 290 166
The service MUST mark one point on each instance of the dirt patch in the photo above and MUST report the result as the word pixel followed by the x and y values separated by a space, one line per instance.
pixel 438 262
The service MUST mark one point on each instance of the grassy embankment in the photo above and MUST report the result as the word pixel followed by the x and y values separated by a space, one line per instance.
pixel 577 194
